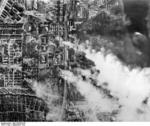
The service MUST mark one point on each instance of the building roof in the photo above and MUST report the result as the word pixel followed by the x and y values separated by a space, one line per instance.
pixel 16 91
pixel 11 25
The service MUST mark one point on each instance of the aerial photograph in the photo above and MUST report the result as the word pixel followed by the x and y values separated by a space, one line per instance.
pixel 74 61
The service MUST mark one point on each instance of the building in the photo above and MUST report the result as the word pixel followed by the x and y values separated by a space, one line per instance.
pixel 52 28
pixel 11 36
pixel 11 9
pixel 20 105
pixel 17 101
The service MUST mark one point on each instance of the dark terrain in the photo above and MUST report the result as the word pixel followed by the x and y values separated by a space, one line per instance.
pixel 130 43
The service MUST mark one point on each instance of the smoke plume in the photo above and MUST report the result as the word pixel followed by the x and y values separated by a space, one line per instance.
pixel 131 86
pixel 45 91
pixel 95 100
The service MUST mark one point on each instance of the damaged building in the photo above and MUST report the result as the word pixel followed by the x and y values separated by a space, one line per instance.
pixel 17 103
pixel 35 50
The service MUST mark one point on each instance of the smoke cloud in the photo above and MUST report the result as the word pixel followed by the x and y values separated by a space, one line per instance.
pixel 94 98
pixel 46 92
pixel 131 86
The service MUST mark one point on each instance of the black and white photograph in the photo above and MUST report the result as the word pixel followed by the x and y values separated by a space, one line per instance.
pixel 74 61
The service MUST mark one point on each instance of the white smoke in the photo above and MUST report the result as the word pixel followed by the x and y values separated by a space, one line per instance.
pixel 132 87
pixel 96 100
pixel 45 91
